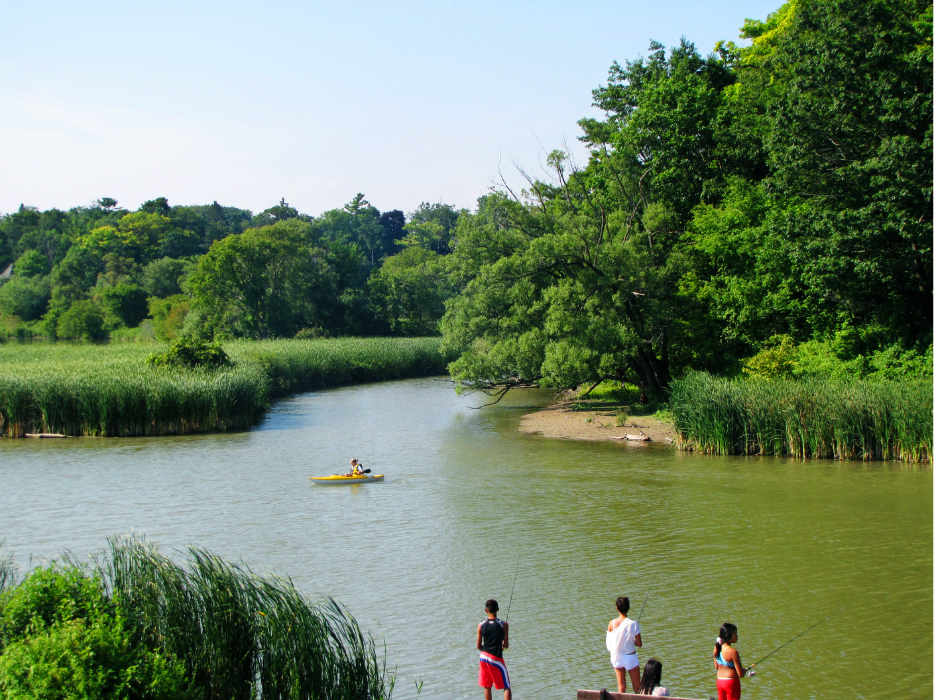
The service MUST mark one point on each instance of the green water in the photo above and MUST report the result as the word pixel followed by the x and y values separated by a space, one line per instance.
pixel 771 545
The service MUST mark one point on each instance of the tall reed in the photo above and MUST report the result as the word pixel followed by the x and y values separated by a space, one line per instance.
pixel 110 390
pixel 240 636
pixel 243 636
pixel 842 419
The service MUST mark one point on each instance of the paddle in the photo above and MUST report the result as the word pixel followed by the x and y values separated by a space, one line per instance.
pixel 367 471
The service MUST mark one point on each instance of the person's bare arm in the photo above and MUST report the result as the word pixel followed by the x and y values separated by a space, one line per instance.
pixel 639 639
pixel 737 664
pixel 505 635
pixel 479 640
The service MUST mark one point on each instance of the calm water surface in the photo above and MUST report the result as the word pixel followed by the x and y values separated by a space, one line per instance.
pixel 772 545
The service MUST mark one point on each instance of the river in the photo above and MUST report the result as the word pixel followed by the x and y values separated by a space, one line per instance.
pixel 772 545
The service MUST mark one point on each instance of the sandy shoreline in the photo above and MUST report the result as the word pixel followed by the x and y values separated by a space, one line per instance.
pixel 567 420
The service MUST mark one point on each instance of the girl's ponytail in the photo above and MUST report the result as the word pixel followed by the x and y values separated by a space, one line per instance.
pixel 727 630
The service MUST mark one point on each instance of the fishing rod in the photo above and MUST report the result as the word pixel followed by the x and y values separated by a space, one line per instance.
pixel 794 638
pixel 509 607
pixel 647 597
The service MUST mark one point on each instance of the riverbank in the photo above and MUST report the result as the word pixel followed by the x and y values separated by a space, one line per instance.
pixel 573 420
pixel 111 390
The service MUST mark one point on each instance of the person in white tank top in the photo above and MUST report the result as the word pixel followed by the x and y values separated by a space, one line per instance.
pixel 622 637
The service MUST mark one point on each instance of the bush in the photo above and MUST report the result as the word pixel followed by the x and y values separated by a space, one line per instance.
pixel 838 358
pixel 26 298
pixel 168 315
pixel 191 353
pixel 62 637
pixel 125 302
pixel 84 319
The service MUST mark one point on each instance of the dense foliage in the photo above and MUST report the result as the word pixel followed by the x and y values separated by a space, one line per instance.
pixel 191 353
pixel 777 193
pixel 139 626
pixel 165 271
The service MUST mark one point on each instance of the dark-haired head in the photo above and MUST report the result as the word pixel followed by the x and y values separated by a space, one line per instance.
pixel 727 630
pixel 492 606
pixel 622 604
pixel 651 677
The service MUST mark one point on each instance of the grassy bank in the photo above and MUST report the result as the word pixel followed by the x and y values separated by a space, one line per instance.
pixel 143 626
pixel 842 419
pixel 110 390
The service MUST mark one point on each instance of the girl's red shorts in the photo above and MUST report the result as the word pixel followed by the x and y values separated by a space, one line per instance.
pixel 728 689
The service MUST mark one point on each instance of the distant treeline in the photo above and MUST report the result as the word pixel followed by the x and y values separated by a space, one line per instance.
pixel 101 270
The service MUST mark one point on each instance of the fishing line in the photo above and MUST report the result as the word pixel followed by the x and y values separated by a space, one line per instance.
pixel 647 597
pixel 509 607
pixel 794 638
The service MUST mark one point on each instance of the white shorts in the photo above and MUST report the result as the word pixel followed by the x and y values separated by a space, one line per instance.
pixel 627 661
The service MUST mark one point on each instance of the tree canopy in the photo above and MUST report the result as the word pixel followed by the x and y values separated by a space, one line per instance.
pixel 781 189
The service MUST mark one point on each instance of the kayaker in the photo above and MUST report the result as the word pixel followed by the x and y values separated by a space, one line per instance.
pixel 356 469
pixel 622 637
pixel 729 667
pixel 492 638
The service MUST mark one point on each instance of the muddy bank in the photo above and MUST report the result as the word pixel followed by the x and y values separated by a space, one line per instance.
pixel 570 421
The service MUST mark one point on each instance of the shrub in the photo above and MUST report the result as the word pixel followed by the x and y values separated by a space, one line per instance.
pixel 191 353
pixel 168 315
pixel 25 297
pixel 64 638
pixel 125 302
pixel 84 319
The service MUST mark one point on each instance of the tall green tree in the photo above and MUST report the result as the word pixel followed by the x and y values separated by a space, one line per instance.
pixel 408 292
pixel 267 282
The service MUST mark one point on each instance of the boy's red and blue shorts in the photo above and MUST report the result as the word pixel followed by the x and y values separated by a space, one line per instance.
pixel 493 672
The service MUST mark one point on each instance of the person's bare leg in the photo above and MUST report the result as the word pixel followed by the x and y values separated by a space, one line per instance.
pixel 507 694
pixel 634 676
pixel 487 694
pixel 620 680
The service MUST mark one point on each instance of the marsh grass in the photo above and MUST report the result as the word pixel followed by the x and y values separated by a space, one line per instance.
pixel 243 636
pixel 110 390
pixel 841 419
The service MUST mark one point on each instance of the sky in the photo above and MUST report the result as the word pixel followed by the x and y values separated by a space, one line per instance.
pixel 247 102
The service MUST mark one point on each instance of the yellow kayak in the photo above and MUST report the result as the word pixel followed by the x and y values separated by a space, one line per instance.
pixel 336 479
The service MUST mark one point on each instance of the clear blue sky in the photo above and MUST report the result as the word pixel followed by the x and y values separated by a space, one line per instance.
pixel 312 101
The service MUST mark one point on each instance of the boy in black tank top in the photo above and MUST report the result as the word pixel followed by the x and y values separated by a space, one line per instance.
pixel 492 638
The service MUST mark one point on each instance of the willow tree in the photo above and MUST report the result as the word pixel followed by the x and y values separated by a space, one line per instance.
pixel 575 280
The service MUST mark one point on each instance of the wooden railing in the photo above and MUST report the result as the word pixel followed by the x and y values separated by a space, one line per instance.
pixel 606 695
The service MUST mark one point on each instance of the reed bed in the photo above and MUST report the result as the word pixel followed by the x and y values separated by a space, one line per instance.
pixel 817 418
pixel 109 390
pixel 240 636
